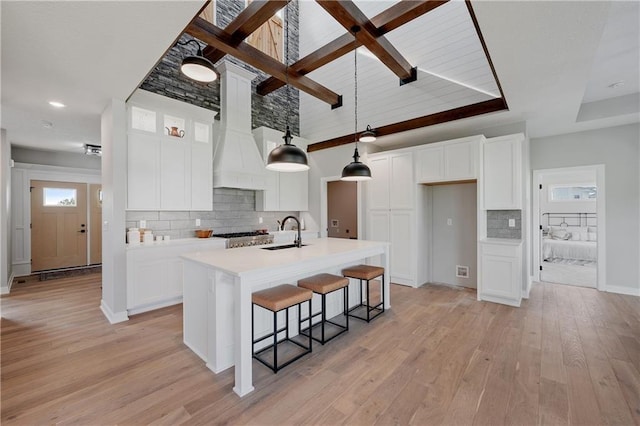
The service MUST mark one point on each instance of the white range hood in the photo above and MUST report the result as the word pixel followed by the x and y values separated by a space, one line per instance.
pixel 236 160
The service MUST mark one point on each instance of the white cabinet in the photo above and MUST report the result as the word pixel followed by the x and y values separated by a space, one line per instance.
pixel 502 173
pixel 500 271
pixel 391 211
pixel 285 191
pixel 449 161
pixel 169 154
pixel 154 272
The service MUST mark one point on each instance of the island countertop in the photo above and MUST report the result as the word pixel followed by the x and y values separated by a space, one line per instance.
pixel 239 261
pixel 218 317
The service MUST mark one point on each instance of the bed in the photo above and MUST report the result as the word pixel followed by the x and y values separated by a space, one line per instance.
pixel 570 236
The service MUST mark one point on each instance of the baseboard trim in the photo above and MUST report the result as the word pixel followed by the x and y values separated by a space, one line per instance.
pixel 153 306
pixel 113 317
pixel 623 290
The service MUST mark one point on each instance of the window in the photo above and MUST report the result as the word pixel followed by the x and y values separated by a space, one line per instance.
pixel 587 192
pixel 60 197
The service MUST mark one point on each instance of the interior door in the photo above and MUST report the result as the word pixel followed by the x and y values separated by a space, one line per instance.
pixel 58 225
pixel 95 224
pixel 342 209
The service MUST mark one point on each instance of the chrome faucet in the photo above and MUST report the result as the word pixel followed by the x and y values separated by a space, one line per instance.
pixel 297 241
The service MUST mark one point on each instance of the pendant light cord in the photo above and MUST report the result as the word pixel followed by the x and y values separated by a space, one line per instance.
pixel 355 86
pixel 286 62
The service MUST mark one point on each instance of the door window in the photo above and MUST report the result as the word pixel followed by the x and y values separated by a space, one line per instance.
pixel 60 197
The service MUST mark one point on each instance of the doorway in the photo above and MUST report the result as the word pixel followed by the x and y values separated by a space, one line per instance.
pixel 569 226
pixel 65 225
pixel 342 209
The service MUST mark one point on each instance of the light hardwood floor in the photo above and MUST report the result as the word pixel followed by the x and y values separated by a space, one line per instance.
pixel 568 356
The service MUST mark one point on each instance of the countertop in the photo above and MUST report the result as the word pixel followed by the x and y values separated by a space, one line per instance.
pixel 505 241
pixel 251 259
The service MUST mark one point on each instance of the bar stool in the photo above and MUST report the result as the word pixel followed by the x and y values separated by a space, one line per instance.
pixel 324 284
pixel 277 299
pixel 366 272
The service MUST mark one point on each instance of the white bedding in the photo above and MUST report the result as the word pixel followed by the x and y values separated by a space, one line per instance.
pixel 567 249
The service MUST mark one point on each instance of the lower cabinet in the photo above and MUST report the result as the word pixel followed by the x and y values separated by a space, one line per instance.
pixel 155 272
pixel 500 271
pixel 398 228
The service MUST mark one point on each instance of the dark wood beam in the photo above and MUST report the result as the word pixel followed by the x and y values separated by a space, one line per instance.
pixel 250 19
pixel 467 111
pixel 350 16
pixel 218 38
pixel 392 18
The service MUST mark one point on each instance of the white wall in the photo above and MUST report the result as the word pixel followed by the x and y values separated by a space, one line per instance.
pixel 5 213
pixel 454 244
pixel 114 190
pixel 617 148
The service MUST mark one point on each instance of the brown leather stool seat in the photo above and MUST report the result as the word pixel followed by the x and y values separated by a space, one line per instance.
pixel 366 273
pixel 324 284
pixel 276 299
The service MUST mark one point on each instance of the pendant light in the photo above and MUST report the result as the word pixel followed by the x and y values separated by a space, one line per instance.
pixel 287 157
pixel 356 170
pixel 197 67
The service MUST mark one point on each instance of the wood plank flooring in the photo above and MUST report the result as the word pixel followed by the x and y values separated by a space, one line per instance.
pixel 569 355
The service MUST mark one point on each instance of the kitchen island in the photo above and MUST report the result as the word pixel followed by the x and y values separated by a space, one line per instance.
pixel 217 294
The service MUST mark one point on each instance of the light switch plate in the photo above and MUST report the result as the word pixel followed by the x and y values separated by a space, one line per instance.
pixel 449 221
pixel 143 224
pixel 512 223
pixel 197 222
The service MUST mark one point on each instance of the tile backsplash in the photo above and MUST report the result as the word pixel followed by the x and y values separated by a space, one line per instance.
pixel 498 224
pixel 233 210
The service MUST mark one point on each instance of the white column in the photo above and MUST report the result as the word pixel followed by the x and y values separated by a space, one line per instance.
pixel 114 190
pixel 243 355
pixel 5 212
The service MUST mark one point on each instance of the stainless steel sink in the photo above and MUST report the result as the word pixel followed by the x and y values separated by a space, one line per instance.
pixel 282 247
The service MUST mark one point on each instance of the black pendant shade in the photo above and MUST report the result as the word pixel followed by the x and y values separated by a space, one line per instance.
pixel 198 67
pixel 287 157
pixel 356 170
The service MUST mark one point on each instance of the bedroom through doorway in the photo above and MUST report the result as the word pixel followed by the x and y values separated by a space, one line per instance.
pixel 568 226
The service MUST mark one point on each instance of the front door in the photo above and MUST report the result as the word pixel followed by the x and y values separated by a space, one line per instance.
pixel 58 225
pixel 95 223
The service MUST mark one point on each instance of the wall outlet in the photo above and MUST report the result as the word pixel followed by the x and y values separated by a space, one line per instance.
pixel 197 222
pixel 260 220
pixel 512 223
pixel 449 221
pixel 143 224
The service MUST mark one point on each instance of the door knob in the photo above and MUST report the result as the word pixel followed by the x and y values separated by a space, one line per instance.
pixel 82 231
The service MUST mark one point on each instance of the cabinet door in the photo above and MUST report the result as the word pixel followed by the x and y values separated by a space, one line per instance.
pixel 501 274
pixel 501 165
pixel 201 176
pixel 460 161
pixel 293 191
pixel 173 279
pixel 378 225
pixel 147 283
pixel 175 178
pixel 143 172
pixel 430 164
pixel 378 186
pixel 401 183
pixel 402 252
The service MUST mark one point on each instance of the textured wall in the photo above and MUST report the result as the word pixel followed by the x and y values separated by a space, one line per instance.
pixel 498 224
pixel 167 80
pixel 233 211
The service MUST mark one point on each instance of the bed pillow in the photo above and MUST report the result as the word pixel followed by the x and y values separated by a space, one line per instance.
pixel 579 234
pixel 560 234
pixel 592 236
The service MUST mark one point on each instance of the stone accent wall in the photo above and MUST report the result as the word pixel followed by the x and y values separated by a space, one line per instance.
pixel 271 110
pixel 233 211
pixel 498 224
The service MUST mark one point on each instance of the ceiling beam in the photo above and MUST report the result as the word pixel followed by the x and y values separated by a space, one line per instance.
pixel 354 20
pixel 250 19
pixel 220 39
pixel 467 111
pixel 392 18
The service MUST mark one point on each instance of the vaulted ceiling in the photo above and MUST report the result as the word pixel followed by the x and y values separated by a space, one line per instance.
pixel 554 60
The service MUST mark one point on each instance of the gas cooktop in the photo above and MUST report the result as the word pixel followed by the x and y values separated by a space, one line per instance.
pixel 244 239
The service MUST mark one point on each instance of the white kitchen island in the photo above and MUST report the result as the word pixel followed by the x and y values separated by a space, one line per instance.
pixel 218 286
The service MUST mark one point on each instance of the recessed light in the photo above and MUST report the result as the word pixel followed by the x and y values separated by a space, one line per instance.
pixel 47 124
pixel 57 104
pixel 616 84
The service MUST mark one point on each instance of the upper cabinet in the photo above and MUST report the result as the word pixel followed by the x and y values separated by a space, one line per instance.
pixel 449 161
pixel 285 191
pixel 169 154
pixel 392 185
pixel 502 172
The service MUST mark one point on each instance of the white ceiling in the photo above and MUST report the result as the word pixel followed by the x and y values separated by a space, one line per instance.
pixel 550 57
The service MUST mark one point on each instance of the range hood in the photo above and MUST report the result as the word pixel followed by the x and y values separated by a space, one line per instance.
pixel 236 160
